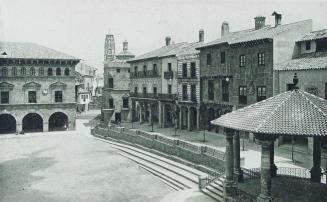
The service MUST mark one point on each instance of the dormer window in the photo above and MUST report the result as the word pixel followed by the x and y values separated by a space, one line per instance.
pixel 307 45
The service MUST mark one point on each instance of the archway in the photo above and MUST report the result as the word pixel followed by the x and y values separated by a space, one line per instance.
pixel 32 122
pixel 58 122
pixel 8 124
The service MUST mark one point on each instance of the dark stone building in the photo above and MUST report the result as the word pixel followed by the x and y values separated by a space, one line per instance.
pixel 37 88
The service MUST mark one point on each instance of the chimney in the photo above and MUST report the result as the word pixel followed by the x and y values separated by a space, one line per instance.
pixel 259 22
pixel 278 18
pixel 168 39
pixel 201 35
pixel 125 45
pixel 224 29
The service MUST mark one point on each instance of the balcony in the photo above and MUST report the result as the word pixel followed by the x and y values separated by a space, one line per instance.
pixel 144 74
pixel 144 95
pixel 168 97
pixel 169 75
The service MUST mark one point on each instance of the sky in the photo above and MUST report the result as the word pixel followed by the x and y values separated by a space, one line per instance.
pixel 78 27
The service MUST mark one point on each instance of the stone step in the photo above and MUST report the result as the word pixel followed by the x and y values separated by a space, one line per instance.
pixel 164 172
pixel 169 167
pixel 218 187
pixel 215 190
pixel 213 195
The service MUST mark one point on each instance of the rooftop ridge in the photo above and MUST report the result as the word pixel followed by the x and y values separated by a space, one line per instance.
pixel 310 101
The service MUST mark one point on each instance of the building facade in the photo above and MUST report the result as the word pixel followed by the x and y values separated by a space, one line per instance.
pixel 37 88
pixel 116 88
pixel 237 69
pixel 154 85
pixel 309 63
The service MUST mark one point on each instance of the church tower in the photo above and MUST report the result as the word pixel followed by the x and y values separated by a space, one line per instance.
pixel 109 48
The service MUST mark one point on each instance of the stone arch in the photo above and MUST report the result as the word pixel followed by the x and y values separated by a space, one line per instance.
pixel 32 122
pixel 8 123
pixel 58 121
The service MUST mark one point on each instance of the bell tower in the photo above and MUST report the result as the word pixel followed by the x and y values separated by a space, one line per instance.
pixel 109 47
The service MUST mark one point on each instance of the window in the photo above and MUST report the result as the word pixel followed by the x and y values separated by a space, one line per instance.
pixel 261 59
pixel 184 90
pixel 58 71
pixel 222 58
pixel 261 93
pixel 110 82
pixel 242 95
pixel 193 70
pixel 125 103
pixel 66 72
pixel 184 73
pixel 135 69
pixel 209 59
pixel 155 90
pixel 58 96
pixel 144 91
pixel 211 94
pixel 225 90
pixel 31 96
pixel 23 71
pixel 32 71
pixel 242 60
pixel 169 88
pixel 111 103
pixel 4 71
pixel 129 70
pixel 118 70
pixel 145 68
pixel 4 97
pixel 49 71
pixel 14 71
pixel 308 45
pixel 193 93
pixel 169 67
pixel 41 71
pixel 135 90
pixel 154 69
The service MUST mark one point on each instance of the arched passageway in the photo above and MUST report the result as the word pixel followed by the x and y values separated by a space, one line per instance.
pixel 58 122
pixel 7 124
pixel 32 122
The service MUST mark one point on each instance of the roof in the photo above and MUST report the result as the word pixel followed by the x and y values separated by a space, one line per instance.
pixel 160 52
pixel 290 113
pixel 305 63
pixel 30 51
pixel 191 49
pixel 125 53
pixel 320 34
pixel 267 32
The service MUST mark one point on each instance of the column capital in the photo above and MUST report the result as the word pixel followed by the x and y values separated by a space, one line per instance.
pixel 265 139
pixel 229 132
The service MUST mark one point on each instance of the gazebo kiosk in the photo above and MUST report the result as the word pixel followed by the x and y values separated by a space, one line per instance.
pixel 293 113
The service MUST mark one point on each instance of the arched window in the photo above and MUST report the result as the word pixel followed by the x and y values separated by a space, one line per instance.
pixel 4 71
pixel 41 71
pixel 49 71
pixel 14 71
pixel 32 71
pixel 67 72
pixel 58 71
pixel 23 71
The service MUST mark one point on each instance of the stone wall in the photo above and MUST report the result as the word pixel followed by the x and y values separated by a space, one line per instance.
pixel 195 153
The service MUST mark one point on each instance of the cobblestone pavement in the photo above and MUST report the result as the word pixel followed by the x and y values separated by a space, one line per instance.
pixel 71 166
pixel 215 139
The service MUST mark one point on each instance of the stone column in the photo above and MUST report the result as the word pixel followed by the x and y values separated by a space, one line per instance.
pixel 316 170
pixel 310 145
pixel 150 114
pixel 163 116
pixel 198 119
pixel 229 184
pixel 273 167
pixel 237 157
pixel 141 114
pixel 180 118
pixel 160 114
pixel 45 126
pixel 265 181
pixel 189 118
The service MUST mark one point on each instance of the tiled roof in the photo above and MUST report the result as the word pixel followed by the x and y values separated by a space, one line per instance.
pixel 190 49
pixel 291 113
pixel 315 35
pixel 125 53
pixel 305 63
pixel 266 32
pixel 30 50
pixel 161 52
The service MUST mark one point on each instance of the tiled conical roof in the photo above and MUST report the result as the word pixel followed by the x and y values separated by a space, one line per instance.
pixel 291 113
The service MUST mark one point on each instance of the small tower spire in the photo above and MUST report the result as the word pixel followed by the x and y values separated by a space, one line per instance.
pixel 109 47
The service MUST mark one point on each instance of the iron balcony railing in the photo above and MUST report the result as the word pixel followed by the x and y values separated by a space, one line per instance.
pixel 145 74
pixel 144 95
pixel 169 97
pixel 169 75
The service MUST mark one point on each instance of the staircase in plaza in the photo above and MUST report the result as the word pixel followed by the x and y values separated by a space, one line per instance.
pixel 176 175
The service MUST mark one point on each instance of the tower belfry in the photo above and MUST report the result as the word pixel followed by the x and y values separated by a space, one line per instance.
pixel 109 47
